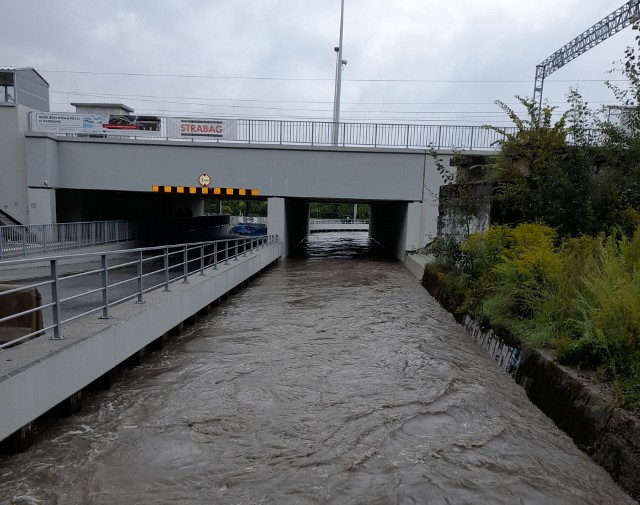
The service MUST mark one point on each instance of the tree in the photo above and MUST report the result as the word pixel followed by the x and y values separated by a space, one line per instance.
pixel 541 176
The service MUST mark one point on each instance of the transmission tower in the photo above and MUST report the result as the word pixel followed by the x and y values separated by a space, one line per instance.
pixel 602 30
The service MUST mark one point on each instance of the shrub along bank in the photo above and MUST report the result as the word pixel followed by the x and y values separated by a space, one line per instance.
pixel 577 296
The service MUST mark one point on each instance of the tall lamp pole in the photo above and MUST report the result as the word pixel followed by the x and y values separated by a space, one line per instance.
pixel 339 64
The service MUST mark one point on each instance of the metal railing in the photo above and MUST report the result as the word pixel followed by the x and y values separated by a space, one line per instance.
pixel 338 221
pixel 315 133
pixel 119 276
pixel 20 240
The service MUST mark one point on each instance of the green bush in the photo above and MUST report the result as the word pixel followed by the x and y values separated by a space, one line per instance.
pixel 580 297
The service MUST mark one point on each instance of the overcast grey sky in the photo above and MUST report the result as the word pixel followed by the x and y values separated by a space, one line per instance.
pixel 275 58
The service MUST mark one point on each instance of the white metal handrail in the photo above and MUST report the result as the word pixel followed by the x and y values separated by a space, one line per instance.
pixel 315 133
pixel 120 276
pixel 20 240
pixel 338 221
pixel 23 240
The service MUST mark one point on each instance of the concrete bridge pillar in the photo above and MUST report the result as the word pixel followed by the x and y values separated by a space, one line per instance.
pixel 422 223
pixel 403 226
pixel 388 226
pixel 289 219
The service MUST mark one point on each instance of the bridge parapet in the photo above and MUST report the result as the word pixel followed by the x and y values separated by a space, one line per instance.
pixel 265 131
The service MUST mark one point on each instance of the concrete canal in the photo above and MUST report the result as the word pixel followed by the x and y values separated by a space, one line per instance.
pixel 334 378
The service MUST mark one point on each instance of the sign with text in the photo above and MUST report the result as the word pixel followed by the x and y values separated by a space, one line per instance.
pixel 56 122
pixel 223 129
pixel 69 123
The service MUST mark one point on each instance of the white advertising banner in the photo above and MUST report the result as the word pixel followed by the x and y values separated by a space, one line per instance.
pixel 69 123
pixel 56 122
pixel 180 127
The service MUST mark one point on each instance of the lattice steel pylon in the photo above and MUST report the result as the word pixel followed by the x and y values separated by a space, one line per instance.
pixel 602 30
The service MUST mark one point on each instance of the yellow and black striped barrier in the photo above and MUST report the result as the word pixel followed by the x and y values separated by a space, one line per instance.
pixel 190 190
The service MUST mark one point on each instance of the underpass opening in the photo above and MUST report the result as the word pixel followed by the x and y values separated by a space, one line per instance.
pixel 164 217
pixel 394 225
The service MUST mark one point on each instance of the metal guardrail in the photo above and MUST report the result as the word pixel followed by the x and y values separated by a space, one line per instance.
pixel 23 240
pixel 338 221
pixel 366 134
pixel 120 276
pixel 20 240
pixel 315 133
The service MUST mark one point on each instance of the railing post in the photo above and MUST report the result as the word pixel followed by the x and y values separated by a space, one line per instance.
pixel 105 287
pixel 407 138
pixel 215 255
pixel 185 266
pixel 439 135
pixel 201 259
pixel 24 240
pixel 140 287
pixel 312 131
pixel 473 129
pixel 57 335
pixel 226 252
pixel 281 127
pixel 166 269
pixel 235 249
pixel 244 248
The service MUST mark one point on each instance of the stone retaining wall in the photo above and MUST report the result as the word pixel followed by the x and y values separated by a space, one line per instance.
pixel 578 406
pixel 610 435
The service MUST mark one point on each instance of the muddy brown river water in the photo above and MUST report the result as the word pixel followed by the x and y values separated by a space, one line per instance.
pixel 333 378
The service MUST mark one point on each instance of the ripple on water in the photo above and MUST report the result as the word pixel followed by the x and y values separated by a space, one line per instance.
pixel 335 378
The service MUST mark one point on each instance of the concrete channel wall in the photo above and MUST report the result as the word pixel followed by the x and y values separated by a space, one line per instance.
pixel 577 403
pixel 41 374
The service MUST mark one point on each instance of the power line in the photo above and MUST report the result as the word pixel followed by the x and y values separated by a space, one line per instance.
pixel 292 109
pixel 149 98
pixel 422 117
pixel 261 78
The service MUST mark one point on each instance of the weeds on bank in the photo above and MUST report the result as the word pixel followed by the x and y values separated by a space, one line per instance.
pixel 578 296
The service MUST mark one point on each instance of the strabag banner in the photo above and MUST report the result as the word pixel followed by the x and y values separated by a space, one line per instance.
pixel 55 122
pixel 182 127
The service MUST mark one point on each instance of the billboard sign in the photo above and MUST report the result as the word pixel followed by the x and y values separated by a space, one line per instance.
pixel 69 123
pixel 56 122
pixel 129 122
pixel 222 129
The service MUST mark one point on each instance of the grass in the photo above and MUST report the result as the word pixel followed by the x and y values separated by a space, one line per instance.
pixel 579 297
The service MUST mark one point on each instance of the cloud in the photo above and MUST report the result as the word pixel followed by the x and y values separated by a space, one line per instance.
pixel 455 41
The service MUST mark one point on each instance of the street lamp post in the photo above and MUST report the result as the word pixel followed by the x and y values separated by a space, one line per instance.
pixel 339 64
